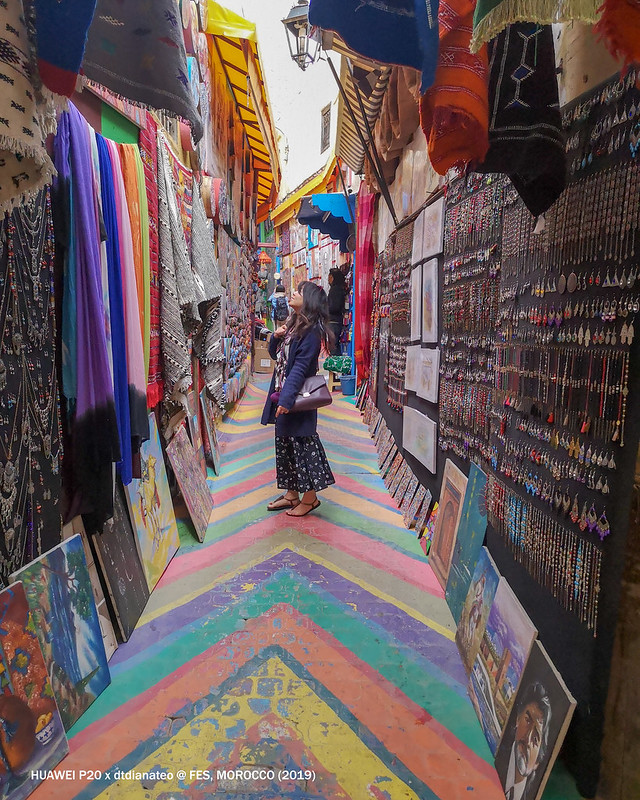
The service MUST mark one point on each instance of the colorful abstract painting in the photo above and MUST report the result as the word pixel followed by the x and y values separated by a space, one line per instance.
pixel 475 611
pixel 208 415
pixel 473 525
pixel 60 598
pixel 536 727
pixel 454 484
pixel 498 667
pixel 32 737
pixel 193 486
pixel 430 301
pixel 151 510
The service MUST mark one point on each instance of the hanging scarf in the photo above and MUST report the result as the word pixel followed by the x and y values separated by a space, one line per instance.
pixel 364 281
pixel 174 266
pixel 526 141
pixel 133 334
pixel 116 309
pixel 208 341
pixel 138 52
pixel 61 36
pixel 402 32
pixel 139 218
pixel 492 16
pixel 94 430
pixel 454 113
pixel 25 166
pixel 149 156
pixel 619 26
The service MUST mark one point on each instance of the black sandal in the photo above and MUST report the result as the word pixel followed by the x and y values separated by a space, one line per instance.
pixel 290 504
pixel 312 507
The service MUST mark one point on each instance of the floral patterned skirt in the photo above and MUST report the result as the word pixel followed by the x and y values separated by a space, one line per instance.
pixel 301 464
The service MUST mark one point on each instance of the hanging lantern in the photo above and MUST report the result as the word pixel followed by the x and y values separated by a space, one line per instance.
pixel 303 45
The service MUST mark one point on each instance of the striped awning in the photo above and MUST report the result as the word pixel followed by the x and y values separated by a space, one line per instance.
pixel 372 79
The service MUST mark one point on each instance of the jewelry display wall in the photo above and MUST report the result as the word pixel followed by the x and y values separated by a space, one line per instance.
pixel 470 294
pixel 400 317
pixel 30 522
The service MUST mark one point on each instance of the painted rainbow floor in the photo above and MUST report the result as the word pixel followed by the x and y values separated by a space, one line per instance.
pixel 320 646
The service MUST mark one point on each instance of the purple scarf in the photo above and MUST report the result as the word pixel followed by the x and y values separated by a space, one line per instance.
pixel 94 430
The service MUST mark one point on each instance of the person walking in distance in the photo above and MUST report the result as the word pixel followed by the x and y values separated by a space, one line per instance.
pixel 279 304
pixel 302 467
pixel 337 295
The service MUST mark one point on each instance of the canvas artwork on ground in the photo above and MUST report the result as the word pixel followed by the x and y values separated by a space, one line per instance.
pixel 151 508
pixel 32 737
pixel 473 524
pixel 536 728
pixel 496 672
pixel 192 483
pixel 475 611
pixel 60 597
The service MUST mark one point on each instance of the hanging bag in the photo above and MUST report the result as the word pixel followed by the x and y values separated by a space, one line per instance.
pixel 313 394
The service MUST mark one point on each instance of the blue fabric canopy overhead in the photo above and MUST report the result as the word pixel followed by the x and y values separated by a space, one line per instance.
pixel 330 214
pixel 403 32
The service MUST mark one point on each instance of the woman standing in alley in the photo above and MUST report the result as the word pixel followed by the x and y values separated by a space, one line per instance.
pixel 301 463
pixel 337 294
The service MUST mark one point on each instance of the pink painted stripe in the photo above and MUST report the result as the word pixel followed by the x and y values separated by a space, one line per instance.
pixel 243 487
pixel 377 554
pixel 380 496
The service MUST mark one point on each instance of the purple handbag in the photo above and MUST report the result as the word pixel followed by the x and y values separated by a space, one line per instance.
pixel 313 394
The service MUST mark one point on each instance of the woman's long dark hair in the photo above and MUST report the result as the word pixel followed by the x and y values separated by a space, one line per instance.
pixel 313 314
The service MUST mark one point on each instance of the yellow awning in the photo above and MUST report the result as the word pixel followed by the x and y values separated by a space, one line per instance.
pixel 236 42
pixel 315 185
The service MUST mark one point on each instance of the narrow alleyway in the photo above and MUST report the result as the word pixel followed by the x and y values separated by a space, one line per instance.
pixel 319 644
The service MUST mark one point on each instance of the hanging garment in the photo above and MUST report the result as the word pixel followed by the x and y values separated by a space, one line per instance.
pixel 526 141
pixel 61 36
pixel 25 166
pixel 116 310
pixel 132 172
pixel 454 113
pixel 94 430
pixel 149 156
pixel 365 255
pixel 141 56
pixel 208 341
pixel 492 16
pixel 174 266
pixel 403 32
pixel 619 27
pixel 133 335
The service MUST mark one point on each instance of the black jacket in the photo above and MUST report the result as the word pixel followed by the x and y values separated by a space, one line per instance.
pixel 337 294
pixel 302 363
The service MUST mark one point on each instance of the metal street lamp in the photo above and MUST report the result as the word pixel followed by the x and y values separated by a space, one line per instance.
pixel 303 46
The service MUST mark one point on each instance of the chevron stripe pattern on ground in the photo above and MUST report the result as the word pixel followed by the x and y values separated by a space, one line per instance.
pixel 288 658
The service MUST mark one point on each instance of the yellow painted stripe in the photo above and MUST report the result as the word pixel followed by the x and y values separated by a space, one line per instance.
pixel 365 507
pixel 227 474
pixel 241 503
pixel 335 746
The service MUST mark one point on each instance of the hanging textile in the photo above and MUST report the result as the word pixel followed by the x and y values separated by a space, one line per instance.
pixel 365 266
pixel 149 156
pixel 25 166
pixel 146 63
pixel 174 269
pixel 94 431
pixel 133 174
pixel 526 141
pixel 403 32
pixel 116 310
pixel 619 27
pixel 208 341
pixel 397 123
pixel 454 113
pixel 492 16
pixel 30 448
pixel 61 36
pixel 133 334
